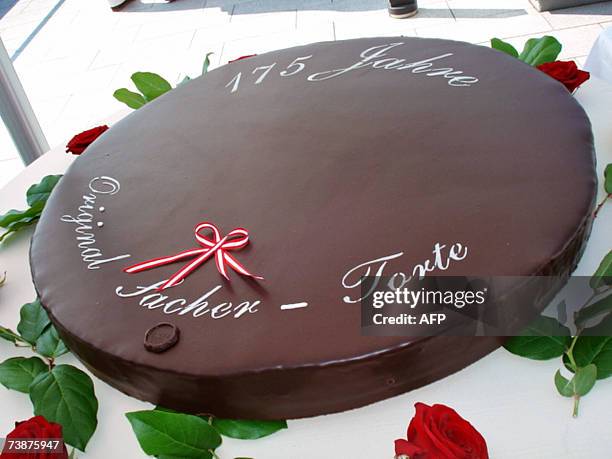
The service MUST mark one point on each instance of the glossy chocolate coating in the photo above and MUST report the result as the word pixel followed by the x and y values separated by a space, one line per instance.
pixel 325 175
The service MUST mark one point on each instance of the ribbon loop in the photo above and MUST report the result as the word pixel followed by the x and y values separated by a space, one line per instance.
pixel 217 246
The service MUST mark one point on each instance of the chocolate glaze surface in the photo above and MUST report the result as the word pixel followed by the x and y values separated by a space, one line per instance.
pixel 327 169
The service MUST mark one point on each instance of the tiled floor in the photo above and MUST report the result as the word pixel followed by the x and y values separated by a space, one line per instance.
pixel 72 54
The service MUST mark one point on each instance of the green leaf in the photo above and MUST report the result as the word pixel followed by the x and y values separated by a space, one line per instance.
pixel 595 350
pixel 599 307
pixel 16 227
pixel 50 345
pixel 9 335
pixel 247 429
pixel 603 274
pixel 129 98
pixel 41 191
pixel 241 429
pixel 163 433
pixel 151 85
pixel 166 410
pixel 206 63
pixel 602 328
pixel 14 220
pixel 608 179
pixel 18 373
pixel 34 320
pixel 585 379
pixel 544 339
pixel 37 196
pixel 564 386
pixel 66 396
pixel 581 384
pixel 538 51
pixel 504 47
pixel 13 216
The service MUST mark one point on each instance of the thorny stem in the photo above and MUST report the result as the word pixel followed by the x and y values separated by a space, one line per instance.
pixel 600 205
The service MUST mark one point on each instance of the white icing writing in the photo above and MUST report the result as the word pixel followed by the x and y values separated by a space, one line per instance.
pixel 441 260
pixel 288 307
pixel 86 238
pixel 375 57
pixel 372 57
pixel 150 298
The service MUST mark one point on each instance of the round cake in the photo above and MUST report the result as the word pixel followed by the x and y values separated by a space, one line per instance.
pixel 206 253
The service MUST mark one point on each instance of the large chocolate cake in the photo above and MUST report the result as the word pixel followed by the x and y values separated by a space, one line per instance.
pixel 342 159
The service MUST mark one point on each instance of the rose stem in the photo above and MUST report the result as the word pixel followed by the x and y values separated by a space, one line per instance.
pixel 570 354
pixel 576 403
pixel 600 205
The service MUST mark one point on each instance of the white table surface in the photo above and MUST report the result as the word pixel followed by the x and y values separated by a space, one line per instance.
pixel 599 60
pixel 512 401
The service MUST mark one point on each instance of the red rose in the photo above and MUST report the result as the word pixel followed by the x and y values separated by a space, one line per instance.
pixel 37 428
pixel 438 432
pixel 567 73
pixel 242 57
pixel 81 141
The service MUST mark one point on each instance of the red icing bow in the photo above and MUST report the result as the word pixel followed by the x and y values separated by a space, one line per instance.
pixel 217 246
